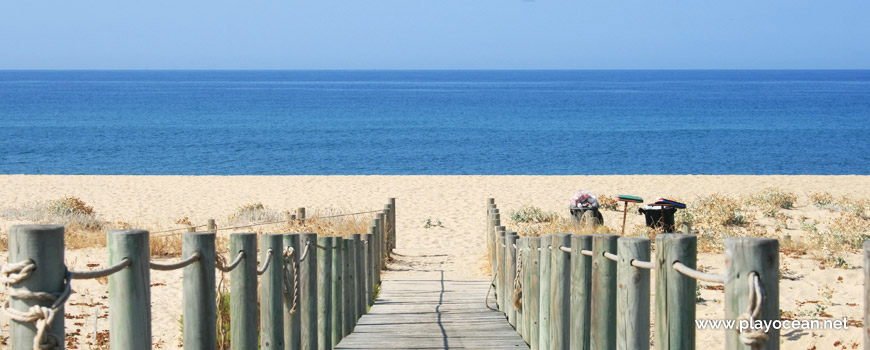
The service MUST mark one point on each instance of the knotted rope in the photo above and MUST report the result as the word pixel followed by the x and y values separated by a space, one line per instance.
pixel 289 254
pixel 221 262
pixel 40 316
pixel 491 283
pixel 753 337
pixel 518 282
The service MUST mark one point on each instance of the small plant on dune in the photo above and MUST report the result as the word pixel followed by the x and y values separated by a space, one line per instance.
pixel 821 199
pixel 532 214
pixel 716 211
pixel 71 212
pixel 70 205
pixel 606 202
pixel 557 224
pixel 255 212
pixel 775 197
pixel 429 223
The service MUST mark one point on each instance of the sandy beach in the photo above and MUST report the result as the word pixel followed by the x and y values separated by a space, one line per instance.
pixel 457 248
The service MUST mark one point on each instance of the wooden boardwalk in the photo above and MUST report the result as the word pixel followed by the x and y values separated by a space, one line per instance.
pixel 422 310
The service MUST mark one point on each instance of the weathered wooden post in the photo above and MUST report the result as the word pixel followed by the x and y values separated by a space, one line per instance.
pixel 518 293
pixel 129 290
pixel 603 312
pixel 632 294
pixel 374 246
pixel 243 291
pixel 324 293
pixel 43 244
pixel 534 301
pixel 292 316
pixel 393 223
pixel 526 333
pixel 349 312
pixel 560 292
pixel 686 228
pixel 337 289
pixel 388 235
pixel 496 225
pixel 308 290
pixel 211 226
pixel 544 294
pixel 866 294
pixel 752 270
pixel 200 308
pixel 300 214
pixel 271 292
pixel 490 229
pixel 499 265
pixel 510 270
pixel 368 244
pixel 385 237
pixel 581 292
pixel 360 262
pixel 675 293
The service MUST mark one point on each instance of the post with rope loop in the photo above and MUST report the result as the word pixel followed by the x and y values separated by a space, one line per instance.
pixel 517 286
pixel 752 292
pixel 359 275
pixel 526 289
pixel 368 262
pixel 324 293
pixel 866 294
pixel 581 292
pixel 544 295
pixel 490 228
pixel 603 326
pixel 243 291
pixel 349 287
pixel 384 246
pixel 292 315
pixel 43 246
pixel 271 292
pixel 392 224
pixel 499 268
pixel 377 250
pixel 632 294
pixel 560 292
pixel 532 306
pixel 200 309
pixel 308 290
pixel 675 292
pixel 510 270
pixel 130 290
pixel 337 294
pixel 495 221
pixel 388 236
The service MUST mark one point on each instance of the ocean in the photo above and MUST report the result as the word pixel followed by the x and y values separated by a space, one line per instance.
pixel 434 122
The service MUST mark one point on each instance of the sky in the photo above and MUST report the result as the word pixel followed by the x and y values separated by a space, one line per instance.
pixel 435 34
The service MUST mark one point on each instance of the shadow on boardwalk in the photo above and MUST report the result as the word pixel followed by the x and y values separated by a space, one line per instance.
pixel 423 310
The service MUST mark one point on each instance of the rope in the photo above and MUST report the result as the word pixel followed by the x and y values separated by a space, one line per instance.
pixel 264 223
pixel 518 281
pixel 289 253
pixel 565 249
pixel 266 264
pixel 220 261
pixel 611 256
pixel 181 264
pixel 698 275
pixel 81 275
pixel 491 283
pixel 305 252
pixel 40 316
pixel 586 252
pixel 753 337
pixel 649 265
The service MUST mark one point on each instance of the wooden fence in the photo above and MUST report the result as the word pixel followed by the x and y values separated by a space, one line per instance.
pixel 312 289
pixel 563 291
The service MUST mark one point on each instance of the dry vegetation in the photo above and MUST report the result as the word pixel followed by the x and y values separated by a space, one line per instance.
pixel 841 227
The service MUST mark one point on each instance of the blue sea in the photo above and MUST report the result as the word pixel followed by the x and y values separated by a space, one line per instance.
pixel 434 122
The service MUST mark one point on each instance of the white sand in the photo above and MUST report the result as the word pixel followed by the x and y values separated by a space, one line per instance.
pixel 457 248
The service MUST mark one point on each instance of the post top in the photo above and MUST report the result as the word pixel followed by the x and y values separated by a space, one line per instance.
pixel 128 232
pixel 36 229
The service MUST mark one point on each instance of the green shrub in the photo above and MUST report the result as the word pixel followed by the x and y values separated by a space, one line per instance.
pixel 528 213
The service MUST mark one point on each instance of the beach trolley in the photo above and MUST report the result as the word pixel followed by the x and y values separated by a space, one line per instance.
pixel 660 213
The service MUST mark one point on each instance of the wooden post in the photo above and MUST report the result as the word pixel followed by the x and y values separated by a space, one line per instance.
pixel 360 262
pixel 603 326
pixel 129 290
pixel 368 243
pixel 308 290
pixel 212 227
pixel 534 301
pixel 524 301
pixel 324 293
pixel 632 295
pixel 44 245
pixel 388 236
pixel 393 223
pixel 746 258
pixel 686 228
pixel 866 294
pixel 300 214
pixel 675 293
pixel 496 248
pixel 200 310
pixel 517 298
pixel 292 316
pixel 374 244
pixel 544 294
pixel 271 293
pixel 560 292
pixel 243 291
pixel 337 289
pixel 490 229
pixel 349 312
pixel 581 292
pixel 499 262
pixel 385 237
pixel 510 270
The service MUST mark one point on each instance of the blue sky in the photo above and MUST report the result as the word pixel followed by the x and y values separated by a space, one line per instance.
pixel 435 34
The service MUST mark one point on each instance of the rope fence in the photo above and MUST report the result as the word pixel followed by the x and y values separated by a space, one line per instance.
pixel 37 268
pixel 170 232
pixel 594 291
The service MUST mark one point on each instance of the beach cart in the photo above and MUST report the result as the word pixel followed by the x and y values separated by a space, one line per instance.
pixel 660 214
